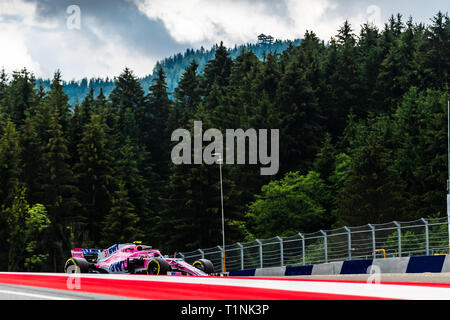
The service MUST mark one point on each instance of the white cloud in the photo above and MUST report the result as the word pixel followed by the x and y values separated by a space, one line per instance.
pixel 15 55
pixel 18 8
pixel 43 46
pixel 206 22
pixel 23 13
pixel 79 56
pixel 16 19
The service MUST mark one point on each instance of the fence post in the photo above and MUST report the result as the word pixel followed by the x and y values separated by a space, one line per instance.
pixel 374 244
pixel 221 260
pixel 325 245
pixel 202 253
pixel 427 237
pixel 260 253
pixel 349 242
pixel 399 233
pixel 242 254
pixel 303 247
pixel 281 251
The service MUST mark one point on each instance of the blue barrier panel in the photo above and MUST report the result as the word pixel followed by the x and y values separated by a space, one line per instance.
pixel 242 273
pixel 356 266
pixel 425 264
pixel 299 271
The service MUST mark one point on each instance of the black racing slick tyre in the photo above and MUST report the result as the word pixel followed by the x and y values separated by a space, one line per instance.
pixel 158 266
pixel 76 265
pixel 205 265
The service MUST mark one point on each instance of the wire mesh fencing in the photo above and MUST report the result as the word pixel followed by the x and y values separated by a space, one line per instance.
pixel 373 241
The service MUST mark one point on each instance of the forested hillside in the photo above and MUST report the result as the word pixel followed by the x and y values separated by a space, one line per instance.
pixel 363 139
pixel 173 67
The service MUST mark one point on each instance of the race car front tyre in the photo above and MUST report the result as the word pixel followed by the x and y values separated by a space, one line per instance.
pixel 205 265
pixel 158 266
pixel 76 265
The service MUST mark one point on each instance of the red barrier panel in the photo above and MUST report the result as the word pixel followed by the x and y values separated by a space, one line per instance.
pixel 223 288
pixel 156 290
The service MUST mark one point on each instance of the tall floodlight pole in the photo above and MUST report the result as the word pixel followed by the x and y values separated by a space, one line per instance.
pixel 220 160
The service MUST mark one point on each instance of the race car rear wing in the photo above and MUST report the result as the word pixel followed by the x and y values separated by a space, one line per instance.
pixel 90 255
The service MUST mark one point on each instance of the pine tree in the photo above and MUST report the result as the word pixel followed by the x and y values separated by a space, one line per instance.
pixel 155 132
pixel 20 95
pixel 324 161
pixel 218 69
pixel 240 96
pixel 94 173
pixel 58 190
pixel 121 224
pixel 369 55
pixel 126 98
pixel 187 97
pixel 373 191
pixel 58 100
pixel 269 76
pixel 87 107
pixel 31 156
pixel 128 173
pixel 398 70
pixel 437 61
pixel 216 77
pixel 100 103
pixel 342 80
pixel 3 91
pixel 300 115
pixel 421 150
pixel 10 163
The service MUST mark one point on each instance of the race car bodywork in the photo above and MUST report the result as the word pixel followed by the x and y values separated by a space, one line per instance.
pixel 134 259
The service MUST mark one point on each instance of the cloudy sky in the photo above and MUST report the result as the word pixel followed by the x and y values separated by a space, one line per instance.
pixel 90 38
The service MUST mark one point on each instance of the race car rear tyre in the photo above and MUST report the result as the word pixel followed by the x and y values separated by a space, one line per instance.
pixel 80 264
pixel 205 265
pixel 158 266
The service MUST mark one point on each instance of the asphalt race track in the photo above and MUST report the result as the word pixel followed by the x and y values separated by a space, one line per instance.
pixel 47 286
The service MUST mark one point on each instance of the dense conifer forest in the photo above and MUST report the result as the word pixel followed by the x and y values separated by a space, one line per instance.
pixel 363 139
pixel 173 67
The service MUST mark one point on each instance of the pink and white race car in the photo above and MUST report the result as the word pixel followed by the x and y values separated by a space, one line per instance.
pixel 134 259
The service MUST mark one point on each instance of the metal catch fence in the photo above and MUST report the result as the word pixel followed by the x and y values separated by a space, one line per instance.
pixel 393 239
